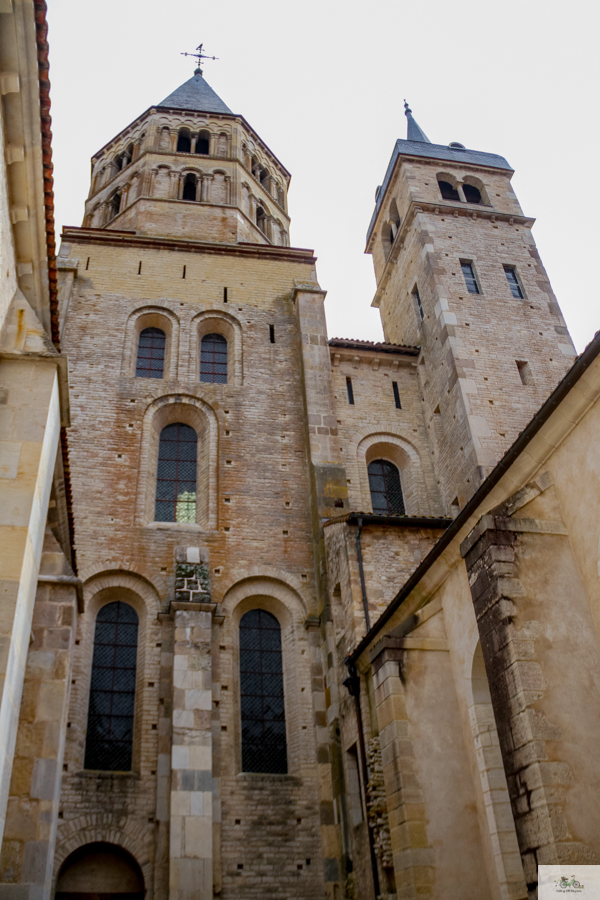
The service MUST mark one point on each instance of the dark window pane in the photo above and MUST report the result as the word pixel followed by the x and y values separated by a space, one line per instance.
pixel 513 282
pixel 176 474
pixel 470 280
pixel 261 685
pixel 112 690
pixel 151 353
pixel 447 191
pixel 213 359
pixel 386 490
pixel 472 194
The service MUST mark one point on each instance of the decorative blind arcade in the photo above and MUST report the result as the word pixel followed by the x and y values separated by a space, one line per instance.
pixel 151 354
pixel 112 691
pixel 213 359
pixel 386 490
pixel 261 688
pixel 176 474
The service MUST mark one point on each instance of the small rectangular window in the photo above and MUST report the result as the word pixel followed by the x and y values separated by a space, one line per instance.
pixel 272 333
pixel 417 296
pixel 396 395
pixel 470 279
pixel 184 270
pixel 350 391
pixel 513 282
pixel 224 295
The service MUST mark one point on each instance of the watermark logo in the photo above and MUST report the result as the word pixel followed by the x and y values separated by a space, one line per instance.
pixel 568 885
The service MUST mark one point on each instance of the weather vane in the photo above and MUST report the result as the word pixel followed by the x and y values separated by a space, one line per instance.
pixel 199 55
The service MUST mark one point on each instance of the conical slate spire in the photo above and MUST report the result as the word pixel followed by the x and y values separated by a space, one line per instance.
pixel 197 95
pixel 413 131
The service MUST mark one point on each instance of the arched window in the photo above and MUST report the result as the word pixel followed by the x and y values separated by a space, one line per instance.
pixel 261 691
pixel 151 354
pixel 261 219
pixel 184 141
pixel 386 490
pixel 447 191
pixel 176 474
pixel 115 204
pixel 203 143
pixel 190 186
pixel 472 194
pixel 112 691
pixel 213 359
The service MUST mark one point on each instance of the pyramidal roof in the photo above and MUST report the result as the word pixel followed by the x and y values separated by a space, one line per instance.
pixel 197 95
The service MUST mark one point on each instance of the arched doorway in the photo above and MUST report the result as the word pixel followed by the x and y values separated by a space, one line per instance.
pixel 100 871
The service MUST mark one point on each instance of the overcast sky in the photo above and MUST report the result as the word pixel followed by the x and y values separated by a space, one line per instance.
pixel 323 84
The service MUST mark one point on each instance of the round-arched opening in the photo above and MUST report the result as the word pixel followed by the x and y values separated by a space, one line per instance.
pixel 190 186
pixel 100 871
pixel 115 205
pixel 261 219
pixel 448 191
pixel 203 143
pixel 184 141
pixel 385 487
pixel 472 194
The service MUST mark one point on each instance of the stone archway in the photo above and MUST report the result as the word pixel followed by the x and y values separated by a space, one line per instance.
pixel 100 871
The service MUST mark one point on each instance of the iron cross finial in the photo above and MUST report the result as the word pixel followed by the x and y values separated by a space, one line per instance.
pixel 199 55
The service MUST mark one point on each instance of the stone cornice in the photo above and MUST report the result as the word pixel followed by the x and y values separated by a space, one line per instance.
pixel 472 211
pixel 131 239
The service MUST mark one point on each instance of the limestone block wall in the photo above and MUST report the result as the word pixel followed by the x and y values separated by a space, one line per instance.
pixel 373 427
pixel 257 543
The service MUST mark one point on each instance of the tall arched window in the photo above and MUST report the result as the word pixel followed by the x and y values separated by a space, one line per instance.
pixel 184 141
pixel 448 191
pixel 176 474
pixel 261 690
pixel 151 354
pixel 115 204
pixel 213 359
pixel 112 691
pixel 203 143
pixel 261 219
pixel 386 490
pixel 472 194
pixel 189 187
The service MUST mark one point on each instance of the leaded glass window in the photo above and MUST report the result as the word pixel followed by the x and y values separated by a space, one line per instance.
pixel 513 282
pixel 213 359
pixel 112 691
pixel 151 354
pixel 469 276
pixel 176 474
pixel 261 689
pixel 386 490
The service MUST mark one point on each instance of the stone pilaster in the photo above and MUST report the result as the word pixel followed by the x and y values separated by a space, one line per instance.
pixel 191 840
pixel 33 804
pixel 410 848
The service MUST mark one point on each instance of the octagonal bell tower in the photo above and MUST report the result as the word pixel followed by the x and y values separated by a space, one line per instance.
pixel 189 167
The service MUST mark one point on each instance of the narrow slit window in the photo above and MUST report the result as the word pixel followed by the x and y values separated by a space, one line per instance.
pixel 109 740
pixel 213 359
pixel 350 391
pixel 469 276
pixel 272 333
pixel 386 490
pixel 151 353
pixel 525 372
pixel 261 689
pixel 224 295
pixel 396 395
pixel 513 282
pixel 176 474
pixel 417 296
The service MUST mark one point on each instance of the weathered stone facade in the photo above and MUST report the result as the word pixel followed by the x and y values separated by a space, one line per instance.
pixel 420 631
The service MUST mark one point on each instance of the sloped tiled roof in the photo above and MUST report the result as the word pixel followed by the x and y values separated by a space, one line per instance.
pixel 377 346
pixel 197 95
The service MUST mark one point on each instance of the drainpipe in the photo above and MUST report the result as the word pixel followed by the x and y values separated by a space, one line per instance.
pixel 363 586
pixel 352 684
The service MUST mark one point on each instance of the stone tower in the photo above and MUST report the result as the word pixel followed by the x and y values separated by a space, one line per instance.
pixel 189 317
pixel 232 188
pixel 458 274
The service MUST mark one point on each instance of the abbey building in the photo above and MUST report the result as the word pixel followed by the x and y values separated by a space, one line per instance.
pixel 333 629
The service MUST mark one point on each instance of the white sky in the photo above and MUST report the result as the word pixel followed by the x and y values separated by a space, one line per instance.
pixel 323 84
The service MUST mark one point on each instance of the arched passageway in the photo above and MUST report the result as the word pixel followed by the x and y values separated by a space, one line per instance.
pixel 100 871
